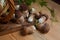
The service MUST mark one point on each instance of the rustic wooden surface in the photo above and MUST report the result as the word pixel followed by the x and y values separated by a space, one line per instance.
pixel 54 33
pixel 9 28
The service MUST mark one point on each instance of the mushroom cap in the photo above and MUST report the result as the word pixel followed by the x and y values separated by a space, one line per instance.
pixel 18 14
pixel 43 28
pixel 27 29
pixel 23 7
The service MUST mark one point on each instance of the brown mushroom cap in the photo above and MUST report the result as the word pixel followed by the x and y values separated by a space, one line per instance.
pixel 43 28
pixel 27 30
pixel 18 14
pixel 23 7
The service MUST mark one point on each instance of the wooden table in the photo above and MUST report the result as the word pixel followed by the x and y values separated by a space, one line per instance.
pixel 54 33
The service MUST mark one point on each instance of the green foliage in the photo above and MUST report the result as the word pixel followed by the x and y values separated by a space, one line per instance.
pixel 28 2
pixel 34 1
pixel 43 3
pixel 20 1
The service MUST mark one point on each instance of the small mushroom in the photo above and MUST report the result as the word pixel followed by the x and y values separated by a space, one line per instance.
pixel 43 18
pixel 27 29
pixel 43 28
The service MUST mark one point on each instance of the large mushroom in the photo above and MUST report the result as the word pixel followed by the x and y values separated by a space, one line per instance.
pixel 27 29
pixel 43 28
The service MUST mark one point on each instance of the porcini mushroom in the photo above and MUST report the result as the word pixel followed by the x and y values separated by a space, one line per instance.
pixel 43 28
pixel 27 29
pixel 18 17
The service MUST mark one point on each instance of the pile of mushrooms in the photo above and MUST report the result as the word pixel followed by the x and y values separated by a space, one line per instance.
pixel 31 20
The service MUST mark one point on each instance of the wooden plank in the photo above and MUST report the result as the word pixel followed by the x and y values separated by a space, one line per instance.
pixel 9 28
pixel 5 37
